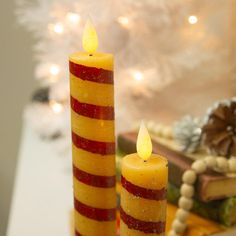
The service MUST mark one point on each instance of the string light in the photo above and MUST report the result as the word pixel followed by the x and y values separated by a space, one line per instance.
pixel 58 28
pixel 138 76
pixel 73 18
pixel 123 20
pixel 54 70
pixel 192 20
pixel 56 107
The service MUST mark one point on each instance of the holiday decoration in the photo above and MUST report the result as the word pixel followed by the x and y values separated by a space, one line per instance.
pixel 52 119
pixel 200 177
pixel 218 136
pixel 160 130
pixel 51 124
pixel 207 186
pixel 194 181
pixel 222 211
pixel 155 43
pixel 187 133
pixel 143 194
pixel 197 226
pixel 93 138
pixel 185 202
pixel 219 132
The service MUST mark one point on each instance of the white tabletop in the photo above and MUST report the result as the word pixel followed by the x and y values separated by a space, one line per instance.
pixel 42 198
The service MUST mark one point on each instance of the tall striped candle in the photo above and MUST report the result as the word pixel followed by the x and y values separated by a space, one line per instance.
pixel 93 139
pixel 143 193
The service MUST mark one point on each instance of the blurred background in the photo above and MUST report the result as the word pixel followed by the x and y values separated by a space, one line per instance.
pixel 17 85
pixel 173 58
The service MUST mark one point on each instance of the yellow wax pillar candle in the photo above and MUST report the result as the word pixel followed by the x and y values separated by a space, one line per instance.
pixel 143 193
pixel 93 138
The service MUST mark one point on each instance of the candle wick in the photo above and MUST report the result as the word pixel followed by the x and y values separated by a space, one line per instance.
pixel 145 160
pixel 90 55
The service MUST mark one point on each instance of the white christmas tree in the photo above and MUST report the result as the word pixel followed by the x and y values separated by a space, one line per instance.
pixel 154 41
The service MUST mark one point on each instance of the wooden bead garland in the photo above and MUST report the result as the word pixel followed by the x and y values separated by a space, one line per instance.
pixel 220 164
pixel 185 203
pixel 173 233
pixel 189 177
pixel 160 130
pixel 199 166
pixel 210 162
pixel 178 226
pixel 182 214
pixel 232 165
pixel 187 190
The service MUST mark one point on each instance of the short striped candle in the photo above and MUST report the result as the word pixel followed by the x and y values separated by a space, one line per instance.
pixel 93 143
pixel 143 192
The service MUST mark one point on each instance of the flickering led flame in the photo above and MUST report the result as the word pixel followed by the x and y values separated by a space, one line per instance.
pixel 192 20
pixel 54 70
pixel 58 28
pixel 90 39
pixel 73 18
pixel 144 143
pixel 123 20
pixel 138 76
pixel 56 107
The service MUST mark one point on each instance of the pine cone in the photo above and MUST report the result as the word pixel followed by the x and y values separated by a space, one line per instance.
pixel 219 132
pixel 187 133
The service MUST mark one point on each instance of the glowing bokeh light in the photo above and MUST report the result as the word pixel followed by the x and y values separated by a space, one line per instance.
pixel 138 76
pixel 192 20
pixel 54 70
pixel 56 107
pixel 123 20
pixel 73 18
pixel 58 28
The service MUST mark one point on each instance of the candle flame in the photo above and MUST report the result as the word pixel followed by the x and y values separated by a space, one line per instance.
pixel 144 143
pixel 90 39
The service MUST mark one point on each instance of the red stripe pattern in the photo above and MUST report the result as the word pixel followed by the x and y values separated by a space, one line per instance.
pixel 92 74
pixel 92 111
pixel 94 180
pixel 100 77
pixel 95 213
pixel 152 194
pixel 102 148
pixel 144 226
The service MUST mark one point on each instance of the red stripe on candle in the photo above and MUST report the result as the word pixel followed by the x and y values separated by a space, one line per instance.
pixel 93 74
pixel 77 233
pixel 97 214
pixel 94 180
pixel 92 111
pixel 145 226
pixel 102 148
pixel 152 194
